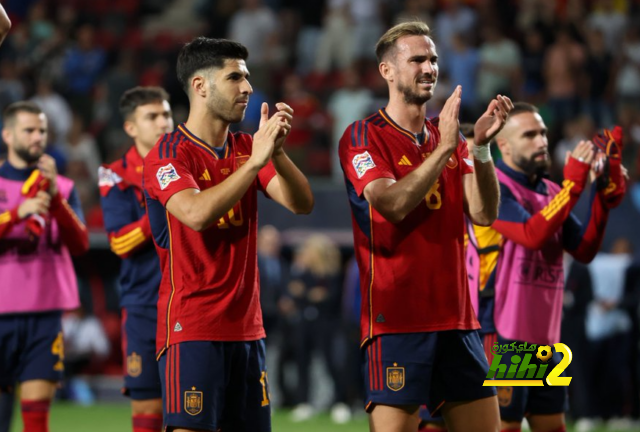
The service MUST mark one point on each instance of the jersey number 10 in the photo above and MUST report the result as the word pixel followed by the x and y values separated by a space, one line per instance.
pixel 232 217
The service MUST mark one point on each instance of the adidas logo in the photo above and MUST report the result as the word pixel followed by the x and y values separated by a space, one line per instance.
pixel 177 327
pixel 405 161
pixel 380 318
pixel 205 175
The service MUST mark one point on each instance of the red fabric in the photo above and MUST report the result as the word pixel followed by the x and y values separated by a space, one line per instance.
pixel 541 226
pixel 147 422
pixel 209 288
pixel 417 264
pixel 562 428
pixel 35 183
pixel 35 415
pixel 6 225
pixel 72 231
pixel 593 235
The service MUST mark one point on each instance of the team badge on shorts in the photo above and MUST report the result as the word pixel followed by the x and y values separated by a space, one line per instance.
pixel 134 365
pixel 166 175
pixel 395 377
pixel 362 163
pixel 504 396
pixel 193 401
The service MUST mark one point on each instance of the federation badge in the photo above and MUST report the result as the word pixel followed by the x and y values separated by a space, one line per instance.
pixel 395 377
pixel 134 365
pixel 193 402
pixel 166 175
pixel 362 163
pixel 452 162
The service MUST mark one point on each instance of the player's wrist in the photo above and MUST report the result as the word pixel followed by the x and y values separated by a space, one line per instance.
pixel 481 153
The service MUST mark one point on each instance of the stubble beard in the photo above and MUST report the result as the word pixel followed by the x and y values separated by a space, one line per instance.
pixel 28 157
pixel 411 97
pixel 531 166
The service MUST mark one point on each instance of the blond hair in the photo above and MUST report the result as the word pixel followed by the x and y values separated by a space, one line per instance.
pixel 321 255
pixel 387 42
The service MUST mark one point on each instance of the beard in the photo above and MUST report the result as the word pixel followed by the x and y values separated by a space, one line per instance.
pixel 28 156
pixel 223 109
pixel 411 97
pixel 531 166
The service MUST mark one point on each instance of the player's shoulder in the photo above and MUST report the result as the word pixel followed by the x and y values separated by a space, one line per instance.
pixel 363 133
pixel 169 146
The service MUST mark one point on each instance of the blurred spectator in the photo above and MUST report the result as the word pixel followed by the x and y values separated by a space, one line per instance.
pixel 463 61
pixel 628 79
pixel 598 70
pixel 83 65
pixel 310 13
pixel 454 19
pixel 533 52
pixel 85 343
pixel 315 290
pixel 80 147
pixel 11 87
pixel 335 45
pixel 611 22
pixel 563 69
pixel 273 274
pixel 499 65
pixel 40 27
pixel 415 10
pixel 56 109
pixel 348 104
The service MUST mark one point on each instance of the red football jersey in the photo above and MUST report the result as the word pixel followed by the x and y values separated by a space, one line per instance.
pixel 412 274
pixel 209 288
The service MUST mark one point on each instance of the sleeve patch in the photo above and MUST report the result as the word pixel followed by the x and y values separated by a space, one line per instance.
pixel 107 178
pixel 362 163
pixel 166 175
pixel 468 162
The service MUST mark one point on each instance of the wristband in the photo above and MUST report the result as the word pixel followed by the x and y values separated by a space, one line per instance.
pixel 481 153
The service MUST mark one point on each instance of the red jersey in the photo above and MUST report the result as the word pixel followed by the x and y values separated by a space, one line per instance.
pixel 209 288
pixel 412 274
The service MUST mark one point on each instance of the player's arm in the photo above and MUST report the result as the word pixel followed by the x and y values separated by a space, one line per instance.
pixel 533 230
pixel 126 235
pixel 394 200
pixel 200 209
pixel 39 204
pixel 5 24
pixel 481 190
pixel 68 214
pixel 289 188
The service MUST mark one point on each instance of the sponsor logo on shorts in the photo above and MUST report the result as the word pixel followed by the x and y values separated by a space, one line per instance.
pixel 193 401
pixel 134 365
pixel 395 377
pixel 166 175
pixel 524 371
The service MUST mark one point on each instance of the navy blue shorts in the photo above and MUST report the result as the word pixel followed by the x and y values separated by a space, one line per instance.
pixel 216 385
pixel 31 347
pixel 518 402
pixel 141 377
pixel 425 369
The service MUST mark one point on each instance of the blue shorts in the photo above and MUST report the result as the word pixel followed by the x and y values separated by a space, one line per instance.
pixel 141 377
pixel 31 347
pixel 216 385
pixel 519 402
pixel 425 369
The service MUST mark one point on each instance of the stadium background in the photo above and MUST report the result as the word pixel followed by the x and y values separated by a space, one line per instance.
pixel 579 61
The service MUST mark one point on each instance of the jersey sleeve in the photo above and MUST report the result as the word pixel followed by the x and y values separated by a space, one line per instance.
pixel 466 165
pixel 360 157
pixel 166 176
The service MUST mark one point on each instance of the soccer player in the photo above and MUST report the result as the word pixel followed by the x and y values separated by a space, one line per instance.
pixel 201 184
pixel 410 183
pixel 40 228
pixel 147 116
pixel 523 302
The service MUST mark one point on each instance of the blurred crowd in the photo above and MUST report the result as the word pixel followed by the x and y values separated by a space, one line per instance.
pixel 577 60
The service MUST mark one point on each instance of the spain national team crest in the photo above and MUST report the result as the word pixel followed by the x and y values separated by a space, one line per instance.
pixel 134 365
pixel 193 401
pixel 166 175
pixel 452 162
pixel 395 377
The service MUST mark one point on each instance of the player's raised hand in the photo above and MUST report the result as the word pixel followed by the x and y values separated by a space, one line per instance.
pixel 492 120
pixel 264 139
pixel 449 125
pixel 47 166
pixel 39 204
pixel 584 153
pixel 286 113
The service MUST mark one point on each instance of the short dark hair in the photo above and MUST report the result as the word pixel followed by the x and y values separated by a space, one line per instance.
pixel 137 96
pixel 11 112
pixel 205 53
pixel 523 107
pixel 387 42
